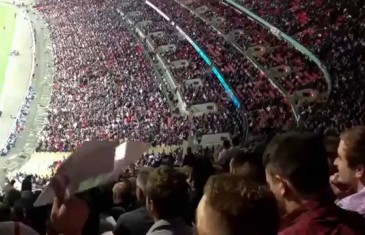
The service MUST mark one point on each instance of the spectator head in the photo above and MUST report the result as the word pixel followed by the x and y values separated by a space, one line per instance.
pixel 226 144
pixel 122 192
pixel 166 193
pixel 141 183
pixel 27 183
pixel 296 169
pixel 189 150
pixel 200 173
pixel 12 182
pixel 350 159
pixel 11 197
pixel 331 143
pixel 234 205
pixel 248 165
pixel 236 141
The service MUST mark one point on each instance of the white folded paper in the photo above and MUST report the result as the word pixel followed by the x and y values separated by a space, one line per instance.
pixel 93 164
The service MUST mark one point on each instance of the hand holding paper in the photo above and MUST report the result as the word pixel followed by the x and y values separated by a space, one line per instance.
pixel 93 164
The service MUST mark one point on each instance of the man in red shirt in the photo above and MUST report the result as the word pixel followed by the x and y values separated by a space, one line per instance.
pixel 297 172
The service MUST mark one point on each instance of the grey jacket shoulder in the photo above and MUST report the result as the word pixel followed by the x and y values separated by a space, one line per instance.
pixel 136 222
pixel 170 227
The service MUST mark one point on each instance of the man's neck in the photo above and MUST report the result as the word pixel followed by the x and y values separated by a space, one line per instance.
pixel 292 206
pixel 360 186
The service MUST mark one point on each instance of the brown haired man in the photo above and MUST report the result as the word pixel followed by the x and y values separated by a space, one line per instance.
pixel 167 202
pixel 350 162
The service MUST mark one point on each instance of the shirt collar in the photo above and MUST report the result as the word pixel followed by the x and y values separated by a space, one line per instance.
pixel 354 202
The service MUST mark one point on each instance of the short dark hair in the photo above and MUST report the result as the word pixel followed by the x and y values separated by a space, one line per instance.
pixel 236 140
pixel 226 144
pixel 354 140
pixel 254 160
pixel 300 157
pixel 331 144
pixel 168 190
pixel 243 206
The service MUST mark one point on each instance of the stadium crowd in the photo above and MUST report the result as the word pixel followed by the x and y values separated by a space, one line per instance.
pixel 260 99
pixel 341 52
pixel 334 31
pixel 304 74
pixel 104 88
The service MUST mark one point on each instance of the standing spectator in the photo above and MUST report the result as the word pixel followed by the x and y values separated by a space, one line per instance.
pixel 199 175
pixel 297 172
pixel 235 146
pixel 167 200
pixel 189 158
pixel 232 205
pixel 224 156
pixel 138 221
pixel 350 162
pixel 9 186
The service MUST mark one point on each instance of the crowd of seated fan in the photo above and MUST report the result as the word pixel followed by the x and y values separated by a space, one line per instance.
pixel 196 68
pixel 334 31
pixel 304 74
pixel 226 119
pixel 236 191
pixel 104 88
pixel 266 105
pixel 19 123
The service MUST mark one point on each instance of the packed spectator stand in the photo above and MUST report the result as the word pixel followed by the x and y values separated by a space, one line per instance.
pixel 334 31
pixel 235 66
pixel 89 71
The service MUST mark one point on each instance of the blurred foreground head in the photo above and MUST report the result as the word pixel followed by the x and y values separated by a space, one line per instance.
pixel 233 205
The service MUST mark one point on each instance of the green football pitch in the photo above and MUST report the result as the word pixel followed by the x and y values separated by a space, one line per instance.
pixel 7 26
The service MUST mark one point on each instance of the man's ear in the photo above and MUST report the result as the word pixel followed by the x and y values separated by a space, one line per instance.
pixel 149 204
pixel 283 185
pixel 360 171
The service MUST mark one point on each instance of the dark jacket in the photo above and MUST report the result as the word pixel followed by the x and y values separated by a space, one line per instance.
pixel 136 222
